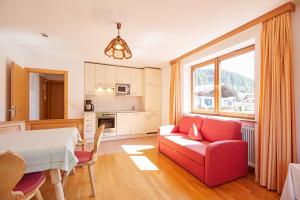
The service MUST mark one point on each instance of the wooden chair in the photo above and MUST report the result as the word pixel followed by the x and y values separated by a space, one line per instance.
pixel 89 158
pixel 14 184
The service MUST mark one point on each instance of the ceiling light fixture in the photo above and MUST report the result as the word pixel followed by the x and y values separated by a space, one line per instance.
pixel 45 35
pixel 118 48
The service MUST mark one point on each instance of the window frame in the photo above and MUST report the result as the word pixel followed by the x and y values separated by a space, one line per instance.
pixel 216 61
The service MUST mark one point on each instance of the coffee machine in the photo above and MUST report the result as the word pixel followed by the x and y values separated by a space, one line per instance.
pixel 88 106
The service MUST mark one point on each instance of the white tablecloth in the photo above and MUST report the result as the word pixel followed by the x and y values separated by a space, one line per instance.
pixel 291 189
pixel 43 149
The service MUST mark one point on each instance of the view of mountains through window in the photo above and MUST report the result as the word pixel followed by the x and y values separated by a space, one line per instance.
pixel 235 85
pixel 234 80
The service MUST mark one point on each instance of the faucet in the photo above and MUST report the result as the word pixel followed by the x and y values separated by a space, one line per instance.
pixel 133 107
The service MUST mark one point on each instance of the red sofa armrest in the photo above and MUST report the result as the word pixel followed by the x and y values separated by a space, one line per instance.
pixel 168 129
pixel 225 161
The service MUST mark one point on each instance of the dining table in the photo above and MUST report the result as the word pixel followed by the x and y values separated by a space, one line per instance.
pixel 291 188
pixel 46 149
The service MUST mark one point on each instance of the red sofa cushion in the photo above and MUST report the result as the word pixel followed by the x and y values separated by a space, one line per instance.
pixel 213 130
pixel 194 150
pixel 188 121
pixel 195 134
pixel 29 182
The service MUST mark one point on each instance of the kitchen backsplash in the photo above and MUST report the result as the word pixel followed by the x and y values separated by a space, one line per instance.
pixel 106 100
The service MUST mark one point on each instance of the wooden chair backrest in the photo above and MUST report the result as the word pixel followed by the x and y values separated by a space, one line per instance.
pixel 97 138
pixel 12 168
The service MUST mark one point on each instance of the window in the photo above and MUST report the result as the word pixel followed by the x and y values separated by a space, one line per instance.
pixel 225 85
pixel 204 83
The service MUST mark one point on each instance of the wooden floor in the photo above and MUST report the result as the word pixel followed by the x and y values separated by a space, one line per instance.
pixel 134 170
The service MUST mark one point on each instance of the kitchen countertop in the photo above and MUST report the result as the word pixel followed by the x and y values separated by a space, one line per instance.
pixel 122 111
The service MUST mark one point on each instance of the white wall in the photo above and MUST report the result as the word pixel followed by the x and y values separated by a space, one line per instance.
pixel 8 53
pixel 34 96
pixel 75 67
pixel 296 37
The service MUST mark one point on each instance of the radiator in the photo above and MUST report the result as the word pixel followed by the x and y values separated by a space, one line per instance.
pixel 248 133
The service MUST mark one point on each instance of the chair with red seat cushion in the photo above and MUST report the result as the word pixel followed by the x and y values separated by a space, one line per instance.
pixel 14 184
pixel 88 158
pixel 83 156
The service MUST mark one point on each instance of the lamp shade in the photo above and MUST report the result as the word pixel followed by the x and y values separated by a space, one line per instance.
pixel 118 48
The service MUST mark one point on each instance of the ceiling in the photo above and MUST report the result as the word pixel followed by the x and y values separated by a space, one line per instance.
pixel 156 31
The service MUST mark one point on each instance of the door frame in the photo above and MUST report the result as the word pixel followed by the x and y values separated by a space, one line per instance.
pixel 50 71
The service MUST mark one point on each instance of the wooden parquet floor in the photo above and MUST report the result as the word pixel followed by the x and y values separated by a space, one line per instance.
pixel 133 169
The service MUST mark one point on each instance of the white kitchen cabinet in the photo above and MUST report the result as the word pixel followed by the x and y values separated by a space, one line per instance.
pixel 123 123
pixel 123 75
pixel 110 73
pixel 152 122
pixel 152 76
pixel 100 75
pixel 136 82
pixel 137 123
pixel 131 123
pixel 152 98
pixel 89 121
pixel 89 78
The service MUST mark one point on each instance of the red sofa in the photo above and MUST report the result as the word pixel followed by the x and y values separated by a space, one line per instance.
pixel 220 157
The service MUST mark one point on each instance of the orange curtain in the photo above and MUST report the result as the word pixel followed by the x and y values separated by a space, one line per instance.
pixel 175 99
pixel 276 126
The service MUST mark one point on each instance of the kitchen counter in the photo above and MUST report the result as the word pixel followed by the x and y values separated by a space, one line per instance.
pixel 122 111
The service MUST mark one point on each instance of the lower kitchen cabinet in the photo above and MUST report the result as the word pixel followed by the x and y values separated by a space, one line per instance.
pixel 130 123
pixel 137 123
pixel 123 123
pixel 89 122
pixel 152 122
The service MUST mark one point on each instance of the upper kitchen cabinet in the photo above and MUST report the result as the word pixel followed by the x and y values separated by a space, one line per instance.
pixel 89 78
pixel 105 75
pixel 136 82
pixel 122 75
pixel 152 76
pixel 110 72
pixel 100 75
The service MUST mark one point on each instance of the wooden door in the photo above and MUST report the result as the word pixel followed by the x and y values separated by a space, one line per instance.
pixel 43 98
pixel 19 93
pixel 55 94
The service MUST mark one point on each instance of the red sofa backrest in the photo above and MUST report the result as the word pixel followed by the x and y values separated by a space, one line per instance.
pixel 187 122
pixel 213 130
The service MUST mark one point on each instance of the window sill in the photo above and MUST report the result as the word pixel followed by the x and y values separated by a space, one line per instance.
pixel 225 117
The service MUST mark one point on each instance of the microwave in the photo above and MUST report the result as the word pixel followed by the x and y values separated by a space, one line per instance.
pixel 122 89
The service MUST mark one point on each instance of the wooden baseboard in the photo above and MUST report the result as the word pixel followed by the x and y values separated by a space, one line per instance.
pixel 124 137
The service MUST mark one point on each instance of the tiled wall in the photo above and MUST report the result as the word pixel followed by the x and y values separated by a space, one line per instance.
pixel 105 100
